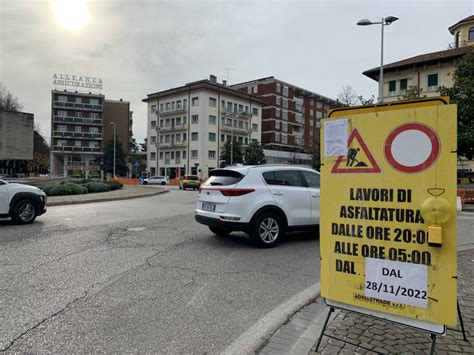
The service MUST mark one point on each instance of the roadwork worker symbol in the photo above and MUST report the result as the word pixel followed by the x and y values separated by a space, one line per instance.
pixel 359 159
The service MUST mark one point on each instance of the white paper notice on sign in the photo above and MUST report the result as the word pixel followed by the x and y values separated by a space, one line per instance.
pixel 396 281
pixel 336 135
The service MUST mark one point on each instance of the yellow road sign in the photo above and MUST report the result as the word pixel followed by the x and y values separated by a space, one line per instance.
pixel 388 230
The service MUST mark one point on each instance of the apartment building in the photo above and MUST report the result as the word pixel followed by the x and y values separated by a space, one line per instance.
pixel 290 117
pixel 189 125
pixel 426 72
pixel 117 112
pixel 80 127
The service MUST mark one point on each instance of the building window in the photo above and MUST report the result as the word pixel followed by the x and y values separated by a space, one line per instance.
pixel 153 108
pixel 78 114
pixel 241 124
pixel 168 138
pixel 152 156
pixel 78 100
pixel 246 141
pixel 185 120
pixel 284 139
pixel 194 136
pixel 457 39
pixel 153 139
pixel 94 101
pixel 78 129
pixel 432 82
pixel 212 102
pixel 94 115
pixel 153 124
pixel 212 137
pixel 254 127
pixel 195 101
pixel 255 111
pixel 184 154
pixel 392 87
pixel 470 35
pixel 178 105
pixel 246 126
pixel 77 143
pixel 278 87
pixel 194 154
pixel 284 127
pixel 278 112
pixel 178 121
pixel 62 98
pixel 319 114
pixel 277 137
pixel 212 154
pixel 403 86
pixel 319 104
pixel 277 124
pixel 285 103
pixel 161 155
pixel 223 138
pixel 194 119
pixel 212 119
pixel 161 107
pixel 167 106
pixel 285 115
pixel 229 106
pixel 161 139
pixel 285 90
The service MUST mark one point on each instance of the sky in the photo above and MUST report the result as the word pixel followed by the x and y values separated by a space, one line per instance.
pixel 138 47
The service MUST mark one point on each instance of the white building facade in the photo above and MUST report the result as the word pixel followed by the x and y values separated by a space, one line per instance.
pixel 189 125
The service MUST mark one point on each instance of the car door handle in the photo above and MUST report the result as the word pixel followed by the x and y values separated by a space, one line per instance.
pixel 278 193
pixel 315 195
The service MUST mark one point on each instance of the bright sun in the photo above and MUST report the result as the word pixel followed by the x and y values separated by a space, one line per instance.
pixel 71 14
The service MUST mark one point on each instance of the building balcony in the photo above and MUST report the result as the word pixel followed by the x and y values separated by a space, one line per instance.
pixel 172 128
pixel 77 106
pixel 172 145
pixel 74 149
pixel 298 134
pixel 78 120
pixel 232 113
pixel 176 110
pixel 236 130
pixel 77 135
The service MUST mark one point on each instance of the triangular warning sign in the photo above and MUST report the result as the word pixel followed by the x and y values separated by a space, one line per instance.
pixel 359 159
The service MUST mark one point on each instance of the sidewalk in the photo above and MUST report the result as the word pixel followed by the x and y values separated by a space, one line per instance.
pixel 125 193
pixel 350 333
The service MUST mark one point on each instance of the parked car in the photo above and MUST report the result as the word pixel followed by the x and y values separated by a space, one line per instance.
pixel 263 201
pixel 161 180
pixel 189 182
pixel 21 203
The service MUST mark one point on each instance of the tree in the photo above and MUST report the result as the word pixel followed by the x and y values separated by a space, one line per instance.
pixel 462 94
pixel 237 155
pixel 133 148
pixel 364 101
pixel 144 145
pixel 254 154
pixel 347 96
pixel 40 162
pixel 413 93
pixel 121 168
pixel 9 102
pixel 316 154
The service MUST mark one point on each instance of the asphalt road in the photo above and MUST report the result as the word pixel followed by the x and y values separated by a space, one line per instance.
pixel 139 275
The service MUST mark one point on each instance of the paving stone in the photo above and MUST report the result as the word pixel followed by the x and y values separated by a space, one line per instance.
pixel 331 350
pixel 336 342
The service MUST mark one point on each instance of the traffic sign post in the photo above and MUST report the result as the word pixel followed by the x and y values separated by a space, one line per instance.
pixel 388 224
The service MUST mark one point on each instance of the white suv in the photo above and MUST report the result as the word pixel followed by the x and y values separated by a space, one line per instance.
pixel 263 201
pixel 22 203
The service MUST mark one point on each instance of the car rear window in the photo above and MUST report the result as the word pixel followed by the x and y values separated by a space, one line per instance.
pixel 191 177
pixel 283 177
pixel 223 178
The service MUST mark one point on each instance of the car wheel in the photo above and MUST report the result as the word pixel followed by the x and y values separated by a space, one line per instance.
pixel 267 230
pixel 163 183
pixel 219 231
pixel 145 182
pixel 24 212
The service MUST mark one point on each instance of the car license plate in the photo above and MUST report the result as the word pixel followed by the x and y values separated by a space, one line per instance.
pixel 206 206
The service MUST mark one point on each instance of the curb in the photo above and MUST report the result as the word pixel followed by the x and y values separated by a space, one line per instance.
pixel 118 198
pixel 251 340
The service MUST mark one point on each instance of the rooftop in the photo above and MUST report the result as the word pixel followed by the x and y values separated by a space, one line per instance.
pixel 428 58
pixel 467 19
pixel 210 84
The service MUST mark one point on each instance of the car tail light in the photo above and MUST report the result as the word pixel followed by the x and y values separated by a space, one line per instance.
pixel 236 192
pixel 230 191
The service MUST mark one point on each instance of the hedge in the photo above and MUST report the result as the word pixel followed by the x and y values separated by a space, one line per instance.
pixel 114 185
pixel 97 187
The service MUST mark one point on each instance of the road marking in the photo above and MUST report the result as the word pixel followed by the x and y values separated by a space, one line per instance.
pixel 136 229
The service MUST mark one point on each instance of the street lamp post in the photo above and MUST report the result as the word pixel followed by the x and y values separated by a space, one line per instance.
pixel 385 21
pixel 113 123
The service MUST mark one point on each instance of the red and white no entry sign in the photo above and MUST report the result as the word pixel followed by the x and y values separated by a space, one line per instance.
pixel 412 147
